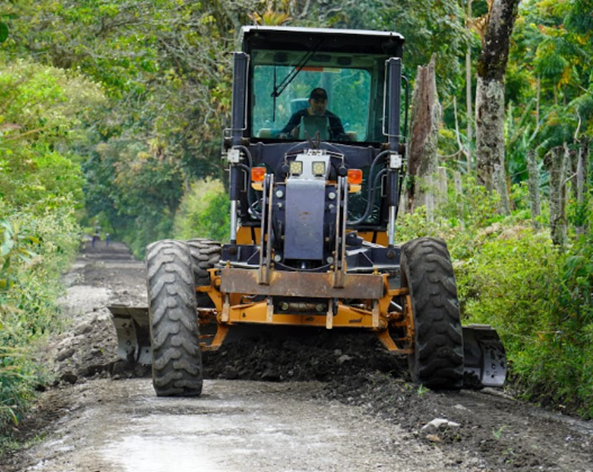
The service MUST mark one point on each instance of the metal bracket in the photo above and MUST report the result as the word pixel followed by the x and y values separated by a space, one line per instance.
pixel 375 313
pixel 226 309
pixel 340 246
pixel 269 310
pixel 265 249
pixel 329 320
pixel 221 334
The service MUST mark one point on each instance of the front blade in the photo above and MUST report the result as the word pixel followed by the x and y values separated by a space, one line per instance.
pixel 485 362
pixel 133 333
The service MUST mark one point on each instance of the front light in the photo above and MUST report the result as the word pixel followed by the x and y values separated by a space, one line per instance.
pixel 296 167
pixel 318 168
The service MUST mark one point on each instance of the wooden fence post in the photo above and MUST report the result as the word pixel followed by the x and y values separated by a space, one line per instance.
pixel 429 197
pixel 533 186
pixel 442 188
pixel 556 160
pixel 459 196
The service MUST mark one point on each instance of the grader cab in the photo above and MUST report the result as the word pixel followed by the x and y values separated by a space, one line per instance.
pixel 314 199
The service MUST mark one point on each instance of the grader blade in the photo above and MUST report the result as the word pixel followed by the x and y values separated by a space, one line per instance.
pixel 133 333
pixel 485 358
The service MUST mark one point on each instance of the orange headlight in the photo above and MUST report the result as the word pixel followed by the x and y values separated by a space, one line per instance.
pixel 258 174
pixel 354 176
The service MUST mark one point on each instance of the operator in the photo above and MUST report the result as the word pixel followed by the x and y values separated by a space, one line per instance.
pixel 317 107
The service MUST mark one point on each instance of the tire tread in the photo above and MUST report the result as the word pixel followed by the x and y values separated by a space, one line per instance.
pixel 175 339
pixel 438 358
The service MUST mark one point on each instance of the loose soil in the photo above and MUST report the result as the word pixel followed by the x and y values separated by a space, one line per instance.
pixel 298 401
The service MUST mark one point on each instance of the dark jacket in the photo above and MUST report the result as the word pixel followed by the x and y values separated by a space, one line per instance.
pixel 335 124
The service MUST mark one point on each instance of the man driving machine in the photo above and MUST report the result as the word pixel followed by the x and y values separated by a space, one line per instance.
pixel 317 108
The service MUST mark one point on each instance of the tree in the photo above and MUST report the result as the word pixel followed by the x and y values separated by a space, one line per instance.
pixel 165 68
pixel 426 118
pixel 490 105
pixel 429 28
pixel 41 113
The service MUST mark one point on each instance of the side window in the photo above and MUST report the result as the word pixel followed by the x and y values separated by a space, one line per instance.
pixel 348 91
pixel 351 92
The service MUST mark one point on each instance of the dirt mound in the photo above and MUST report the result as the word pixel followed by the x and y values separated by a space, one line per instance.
pixel 102 275
pixel 302 355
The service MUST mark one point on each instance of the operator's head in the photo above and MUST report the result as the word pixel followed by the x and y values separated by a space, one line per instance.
pixel 318 101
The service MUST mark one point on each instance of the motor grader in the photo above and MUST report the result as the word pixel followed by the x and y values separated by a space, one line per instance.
pixel 312 225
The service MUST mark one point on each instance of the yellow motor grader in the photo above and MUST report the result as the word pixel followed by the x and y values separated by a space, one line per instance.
pixel 314 200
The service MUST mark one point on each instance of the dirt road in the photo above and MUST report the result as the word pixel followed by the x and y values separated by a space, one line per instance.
pixel 325 402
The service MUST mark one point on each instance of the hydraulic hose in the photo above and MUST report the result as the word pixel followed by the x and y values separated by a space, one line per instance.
pixel 371 196
pixel 371 189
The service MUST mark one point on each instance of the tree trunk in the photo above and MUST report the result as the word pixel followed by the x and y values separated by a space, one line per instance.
pixel 468 94
pixel 459 197
pixel 492 65
pixel 425 116
pixel 556 161
pixel 581 186
pixel 533 185
pixel 490 139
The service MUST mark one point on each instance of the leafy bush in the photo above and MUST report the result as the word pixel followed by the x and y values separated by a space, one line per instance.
pixel 40 120
pixel 539 298
pixel 204 212
pixel 557 366
pixel 40 189
pixel 34 252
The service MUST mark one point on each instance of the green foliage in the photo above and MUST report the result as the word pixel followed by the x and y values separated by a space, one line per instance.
pixel 464 220
pixel 35 251
pixel 579 22
pixel 507 283
pixel 539 299
pixel 137 187
pixel 204 212
pixel 3 31
pixel 41 111
pixel 165 67
pixel 13 245
pixel 557 366
pixel 14 366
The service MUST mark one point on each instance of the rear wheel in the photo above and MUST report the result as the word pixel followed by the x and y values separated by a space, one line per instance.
pixel 437 361
pixel 205 254
pixel 176 355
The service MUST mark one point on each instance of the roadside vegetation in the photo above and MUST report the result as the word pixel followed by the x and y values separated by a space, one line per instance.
pixel 537 295
pixel 117 124
pixel 41 184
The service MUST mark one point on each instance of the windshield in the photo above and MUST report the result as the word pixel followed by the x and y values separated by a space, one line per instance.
pixel 341 109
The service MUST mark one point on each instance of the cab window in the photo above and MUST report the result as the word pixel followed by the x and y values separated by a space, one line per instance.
pixel 348 89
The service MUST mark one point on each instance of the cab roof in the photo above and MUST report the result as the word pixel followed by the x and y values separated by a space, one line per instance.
pixel 322 39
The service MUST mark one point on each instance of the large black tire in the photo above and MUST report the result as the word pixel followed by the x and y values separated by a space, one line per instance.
pixel 205 255
pixel 437 361
pixel 175 339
